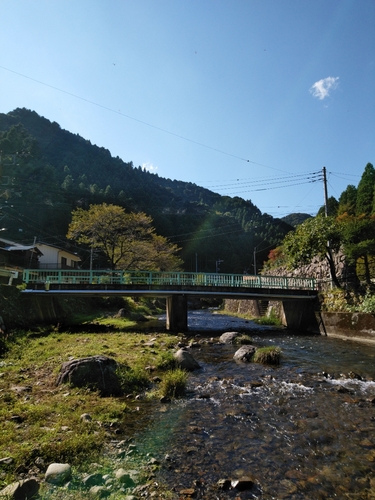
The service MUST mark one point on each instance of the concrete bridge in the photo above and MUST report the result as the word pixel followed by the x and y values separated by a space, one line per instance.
pixel 298 295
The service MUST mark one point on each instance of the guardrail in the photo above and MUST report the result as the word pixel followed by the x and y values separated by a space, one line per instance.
pixel 156 278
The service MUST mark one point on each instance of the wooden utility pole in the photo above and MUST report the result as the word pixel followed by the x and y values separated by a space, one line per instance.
pixel 325 192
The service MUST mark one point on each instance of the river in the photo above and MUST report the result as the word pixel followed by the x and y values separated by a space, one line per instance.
pixel 302 430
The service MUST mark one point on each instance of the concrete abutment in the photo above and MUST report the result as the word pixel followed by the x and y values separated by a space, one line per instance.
pixel 177 313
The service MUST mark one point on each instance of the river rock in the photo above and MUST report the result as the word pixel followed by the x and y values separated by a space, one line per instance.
pixel 244 353
pixel 21 490
pixel 242 484
pixel 228 337
pixel 224 484
pixel 96 372
pixel 99 492
pixel 93 480
pixel 85 417
pixel 186 361
pixel 58 473
pixel 124 478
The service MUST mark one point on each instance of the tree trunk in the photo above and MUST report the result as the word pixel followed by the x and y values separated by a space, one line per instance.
pixel 367 270
pixel 332 269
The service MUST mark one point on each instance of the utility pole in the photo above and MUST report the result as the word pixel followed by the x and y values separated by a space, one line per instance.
pixel 329 251
pixel 325 192
pixel 255 260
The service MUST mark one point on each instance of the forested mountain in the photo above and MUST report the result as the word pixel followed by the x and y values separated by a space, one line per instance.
pixel 47 172
pixel 295 219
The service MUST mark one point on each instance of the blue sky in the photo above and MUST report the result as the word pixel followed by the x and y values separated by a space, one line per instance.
pixel 248 98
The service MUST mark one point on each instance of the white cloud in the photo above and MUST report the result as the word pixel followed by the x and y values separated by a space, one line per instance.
pixel 149 167
pixel 322 88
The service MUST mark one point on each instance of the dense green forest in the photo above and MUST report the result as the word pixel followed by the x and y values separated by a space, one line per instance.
pixel 47 172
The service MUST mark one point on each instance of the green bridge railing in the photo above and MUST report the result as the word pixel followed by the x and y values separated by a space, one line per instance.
pixel 160 279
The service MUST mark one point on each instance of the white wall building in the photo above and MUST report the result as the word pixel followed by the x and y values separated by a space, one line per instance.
pixel 56 258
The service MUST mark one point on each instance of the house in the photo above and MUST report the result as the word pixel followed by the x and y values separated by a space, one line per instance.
pixel 14 257
pixel 53 257
pixel 17 256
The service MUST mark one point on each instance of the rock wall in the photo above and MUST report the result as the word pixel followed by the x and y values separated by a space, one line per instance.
pixel 243 307
pixel 319 269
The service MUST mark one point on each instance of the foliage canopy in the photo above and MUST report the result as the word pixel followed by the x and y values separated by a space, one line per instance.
pixel 128 240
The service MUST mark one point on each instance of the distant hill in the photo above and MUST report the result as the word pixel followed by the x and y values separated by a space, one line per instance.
pixel 295 219
pixel 46 172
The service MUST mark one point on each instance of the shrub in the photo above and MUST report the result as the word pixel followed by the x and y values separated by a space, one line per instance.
pixel 367 305
pixel 268 355
pixel 174 383
pixel 335 300
pixel 271 320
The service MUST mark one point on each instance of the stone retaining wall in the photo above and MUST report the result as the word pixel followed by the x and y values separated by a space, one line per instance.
pixel 319 270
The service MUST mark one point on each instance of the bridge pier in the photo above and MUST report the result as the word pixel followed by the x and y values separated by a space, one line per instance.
pixel 300 315
pixel 177 317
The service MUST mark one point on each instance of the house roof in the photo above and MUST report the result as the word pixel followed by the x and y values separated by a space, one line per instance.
pixel 11 246
pixel 22 248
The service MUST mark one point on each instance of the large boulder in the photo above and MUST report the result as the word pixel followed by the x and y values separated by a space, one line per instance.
pixel 186 361
pixel 21 490
pixel 228 337
pixel 58 473
pixel 96 373
pixel 245 353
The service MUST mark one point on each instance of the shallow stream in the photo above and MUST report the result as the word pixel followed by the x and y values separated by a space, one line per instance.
pixel 300 430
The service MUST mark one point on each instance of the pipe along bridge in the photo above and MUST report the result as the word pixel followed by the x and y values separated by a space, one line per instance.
pixel 297 294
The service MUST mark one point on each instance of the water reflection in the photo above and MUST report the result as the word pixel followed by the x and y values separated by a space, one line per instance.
pixel 298 432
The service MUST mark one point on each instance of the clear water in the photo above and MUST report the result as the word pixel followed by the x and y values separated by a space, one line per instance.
pixel 298 433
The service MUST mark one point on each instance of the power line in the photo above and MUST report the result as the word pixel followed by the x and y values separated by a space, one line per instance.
pixel 271 187
pixel 268 180
pixel 135 119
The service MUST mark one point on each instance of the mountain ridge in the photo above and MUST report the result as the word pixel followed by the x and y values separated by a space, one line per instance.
pixel 56 171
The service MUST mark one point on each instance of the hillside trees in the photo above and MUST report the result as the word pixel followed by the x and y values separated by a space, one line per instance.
pixel 348 201
pixel 314 237
pixel 365 191
pixel 128 240
pixel 358 238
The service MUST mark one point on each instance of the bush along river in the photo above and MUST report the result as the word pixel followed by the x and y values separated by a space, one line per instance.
pixel 302 430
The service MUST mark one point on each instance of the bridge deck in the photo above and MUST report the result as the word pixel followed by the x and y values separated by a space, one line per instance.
pixel 164 284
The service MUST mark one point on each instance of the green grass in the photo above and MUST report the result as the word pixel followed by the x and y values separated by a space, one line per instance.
pixel 132 380
pixel 43 420
pixel 267 355
pixel 243 340
pixel 165 361
pixel 173 384
pixel 268 320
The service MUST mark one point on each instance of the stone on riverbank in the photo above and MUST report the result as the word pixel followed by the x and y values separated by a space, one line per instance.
pixel 124 478
pixel 21 490
pixel 228 337
pixel 242 484
pixel 96 372
pixel 186 361
pixel 245 353
pixel 99 492
pixel 58 474
pixel 93 480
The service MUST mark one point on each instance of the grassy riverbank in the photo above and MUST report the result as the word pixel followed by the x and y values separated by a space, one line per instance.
pixel 41 423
